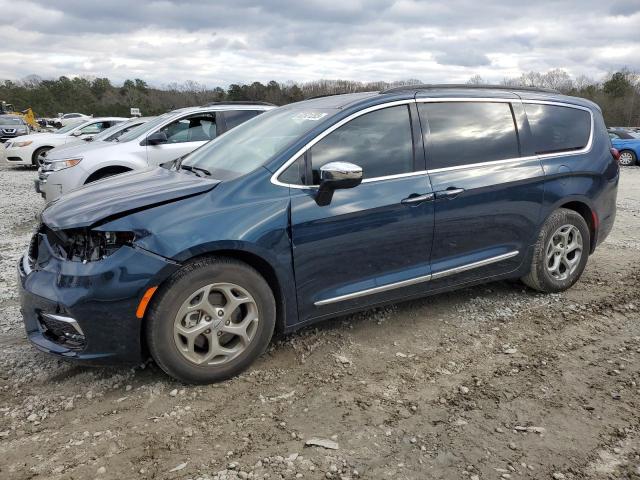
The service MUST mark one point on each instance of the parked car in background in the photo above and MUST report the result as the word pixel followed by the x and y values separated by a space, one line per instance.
pixel 90 142
pixel 628 144
pixel 12 126
pixel 160 140
pixel 315 210
pixel 69 118
pixel 28 149
pixel 110 134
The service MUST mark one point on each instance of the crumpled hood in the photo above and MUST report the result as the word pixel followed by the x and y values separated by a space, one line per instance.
pixel 75 149
pixel 121 194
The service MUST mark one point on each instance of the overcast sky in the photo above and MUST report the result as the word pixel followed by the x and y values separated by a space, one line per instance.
pixel 222 42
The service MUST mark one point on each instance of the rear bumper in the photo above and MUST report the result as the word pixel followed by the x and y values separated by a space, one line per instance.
pixel 101 297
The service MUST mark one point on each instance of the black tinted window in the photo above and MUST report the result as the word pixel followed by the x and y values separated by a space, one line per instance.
pixel 558 129
pixel 380 142
pixel 463 133
pixel 236 117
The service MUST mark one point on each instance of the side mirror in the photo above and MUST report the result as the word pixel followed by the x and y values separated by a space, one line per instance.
pixel 77 133
pixel 334 176
pixel 157 138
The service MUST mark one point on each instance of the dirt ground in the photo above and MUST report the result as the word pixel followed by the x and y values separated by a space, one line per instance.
pixel 489 382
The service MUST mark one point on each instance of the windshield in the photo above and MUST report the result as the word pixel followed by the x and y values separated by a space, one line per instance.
pixel 253 143
pixel 111 133
pixel 69 127
pixel 145 127
pixel 10 121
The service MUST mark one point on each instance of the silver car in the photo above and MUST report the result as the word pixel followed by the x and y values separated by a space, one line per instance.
pixel 12 126
pixel 160 140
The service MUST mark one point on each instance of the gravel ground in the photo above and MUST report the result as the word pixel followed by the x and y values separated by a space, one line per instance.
pixel 490 382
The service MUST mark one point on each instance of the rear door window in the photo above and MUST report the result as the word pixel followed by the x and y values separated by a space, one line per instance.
pixel 556 129
pixel 464 133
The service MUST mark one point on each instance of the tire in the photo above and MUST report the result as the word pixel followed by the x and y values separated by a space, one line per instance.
pixel 192 361
pixel 552 248
pixel 628 158
pixel 35 158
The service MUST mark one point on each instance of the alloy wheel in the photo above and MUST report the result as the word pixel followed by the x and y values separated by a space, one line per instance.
pixel 626 158
pixel 564 251
pixel 215 324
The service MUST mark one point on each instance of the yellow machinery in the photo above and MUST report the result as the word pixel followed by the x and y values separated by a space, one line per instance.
pixel 28 115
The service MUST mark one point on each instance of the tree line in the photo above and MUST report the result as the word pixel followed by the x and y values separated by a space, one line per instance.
pixel 618 94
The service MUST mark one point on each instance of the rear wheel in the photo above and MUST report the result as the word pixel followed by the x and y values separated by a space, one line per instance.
pixel 211 320
pixel 627 158
pixel 37 159
pixel 561 252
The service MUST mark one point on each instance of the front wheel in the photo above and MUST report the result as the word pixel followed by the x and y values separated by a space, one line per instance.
pixel 561 252
pixel 211 320
pixel 37 159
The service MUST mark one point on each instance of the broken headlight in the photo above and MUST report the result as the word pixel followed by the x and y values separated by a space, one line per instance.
pixel 83 245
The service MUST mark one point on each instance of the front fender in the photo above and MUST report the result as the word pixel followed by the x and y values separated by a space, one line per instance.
pixel 93 167
pixel 214 223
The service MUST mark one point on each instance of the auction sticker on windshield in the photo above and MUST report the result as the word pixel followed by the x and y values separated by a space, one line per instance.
pixel 312 116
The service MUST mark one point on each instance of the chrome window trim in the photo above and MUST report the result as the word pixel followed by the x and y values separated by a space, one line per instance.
pixel 586 149
pixel 416 280
pixel 483 164
pixel 311 143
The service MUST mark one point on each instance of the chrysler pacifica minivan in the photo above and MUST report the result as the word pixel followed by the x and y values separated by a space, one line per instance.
pixel 315 210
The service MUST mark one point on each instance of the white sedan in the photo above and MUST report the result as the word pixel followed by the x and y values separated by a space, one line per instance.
pixel 28 149
pixel 69 118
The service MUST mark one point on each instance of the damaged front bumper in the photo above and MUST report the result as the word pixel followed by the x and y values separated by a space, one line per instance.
pixel 87 310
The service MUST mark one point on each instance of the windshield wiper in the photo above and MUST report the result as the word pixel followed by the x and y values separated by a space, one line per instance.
pixel 196 170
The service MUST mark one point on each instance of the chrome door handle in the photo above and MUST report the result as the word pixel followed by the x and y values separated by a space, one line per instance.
pixel 415 199
pixel 449 193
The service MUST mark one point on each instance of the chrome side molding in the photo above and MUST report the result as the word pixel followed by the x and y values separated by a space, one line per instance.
pixel 471 266
pixel 371 291
pixel 416 280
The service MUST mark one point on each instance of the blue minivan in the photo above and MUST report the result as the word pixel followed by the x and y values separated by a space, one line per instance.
pixel 314 210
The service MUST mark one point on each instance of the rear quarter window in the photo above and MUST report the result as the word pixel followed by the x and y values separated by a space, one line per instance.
pixel 557 129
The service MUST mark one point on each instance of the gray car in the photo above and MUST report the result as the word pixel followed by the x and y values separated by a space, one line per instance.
pixel 12 126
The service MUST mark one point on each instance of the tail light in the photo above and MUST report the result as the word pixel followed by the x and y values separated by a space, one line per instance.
pixel 615 153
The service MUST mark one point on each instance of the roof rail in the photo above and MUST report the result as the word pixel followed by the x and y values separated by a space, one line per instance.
pixel 466 86
pixel 240 102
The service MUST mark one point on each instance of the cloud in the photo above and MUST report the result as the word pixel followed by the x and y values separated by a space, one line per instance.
pixel 223 42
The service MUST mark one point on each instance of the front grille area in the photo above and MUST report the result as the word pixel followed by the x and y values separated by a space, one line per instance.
pixel 61 332
pixel 32 252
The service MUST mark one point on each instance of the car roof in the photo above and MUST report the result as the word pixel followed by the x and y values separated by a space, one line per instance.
pixel 364 99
